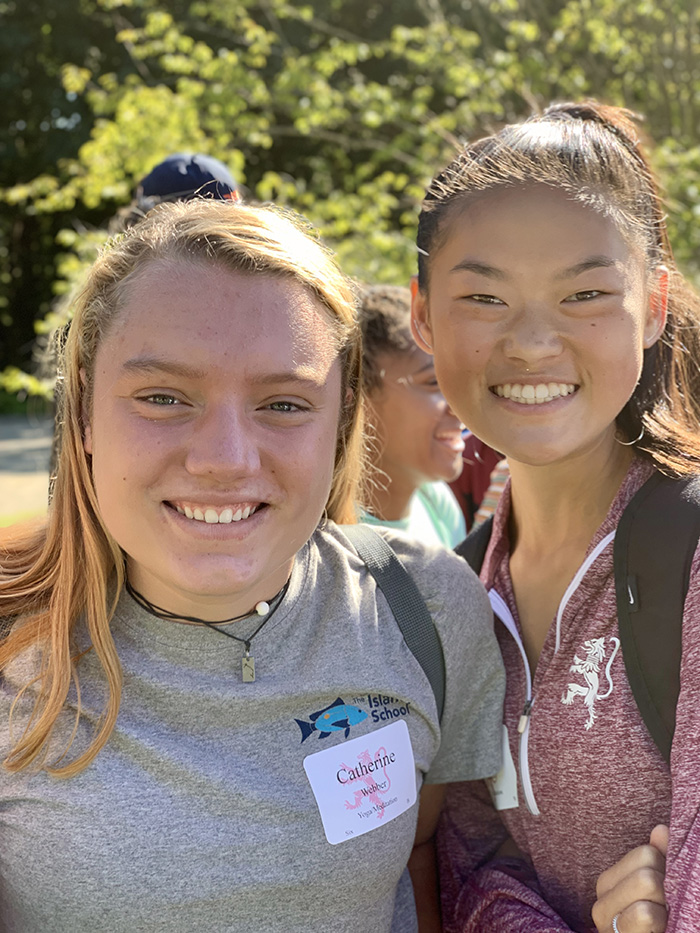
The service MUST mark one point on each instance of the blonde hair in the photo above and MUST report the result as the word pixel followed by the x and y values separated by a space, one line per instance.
pixel 56 572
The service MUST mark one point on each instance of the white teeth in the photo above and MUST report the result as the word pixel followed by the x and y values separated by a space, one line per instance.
pixel 211 517
pixel 534 394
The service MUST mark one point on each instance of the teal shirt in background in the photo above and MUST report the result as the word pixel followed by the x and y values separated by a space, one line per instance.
pixel 434 517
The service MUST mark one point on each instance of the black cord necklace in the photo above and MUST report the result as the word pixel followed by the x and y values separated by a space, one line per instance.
pixel 263 608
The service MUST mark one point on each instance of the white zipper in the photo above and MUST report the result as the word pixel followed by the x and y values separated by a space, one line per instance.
pixel 500 608
pixel 575 583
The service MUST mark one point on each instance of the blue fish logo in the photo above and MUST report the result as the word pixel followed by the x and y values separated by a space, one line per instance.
pixel 338 717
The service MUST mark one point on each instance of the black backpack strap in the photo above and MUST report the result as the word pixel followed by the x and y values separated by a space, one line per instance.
pixel 473 548
pixel 654 545
pixel 406 603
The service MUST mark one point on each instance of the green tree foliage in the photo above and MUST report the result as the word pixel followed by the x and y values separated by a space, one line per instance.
pixel 342 109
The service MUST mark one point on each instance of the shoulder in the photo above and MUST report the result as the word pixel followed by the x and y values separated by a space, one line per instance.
pixel 438 496
pixel 18 690
pixel 451 590
pixel 692 601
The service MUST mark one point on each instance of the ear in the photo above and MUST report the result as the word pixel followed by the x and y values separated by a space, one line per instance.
pixel 420 318
pixel 84 417
pixel 658 307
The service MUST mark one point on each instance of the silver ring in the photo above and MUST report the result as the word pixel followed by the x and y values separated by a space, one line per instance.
pixel 615 927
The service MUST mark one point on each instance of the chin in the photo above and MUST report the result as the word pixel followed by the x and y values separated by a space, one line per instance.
pixel 447 472
pixel 197 582
pixel 543 455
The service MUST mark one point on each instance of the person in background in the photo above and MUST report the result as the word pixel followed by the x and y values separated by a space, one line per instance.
pixel 179 177
pixel 416 441
pixel 209 716
pixel 492 496
pixel 471 486
pixel 564 335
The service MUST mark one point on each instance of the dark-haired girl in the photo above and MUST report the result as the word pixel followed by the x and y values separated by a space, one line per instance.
pixel 564 336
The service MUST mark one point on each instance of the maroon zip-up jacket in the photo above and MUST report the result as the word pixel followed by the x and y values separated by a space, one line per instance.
pixel 591 782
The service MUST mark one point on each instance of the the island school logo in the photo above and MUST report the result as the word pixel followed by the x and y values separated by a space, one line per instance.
pixel 590 667
pixel 338 717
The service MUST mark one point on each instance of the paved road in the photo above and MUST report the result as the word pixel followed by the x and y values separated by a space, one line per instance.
pixel 25 449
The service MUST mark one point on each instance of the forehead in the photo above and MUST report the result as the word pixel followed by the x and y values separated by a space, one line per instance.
pixel 404 362
pixel 534 224
pixel 202 310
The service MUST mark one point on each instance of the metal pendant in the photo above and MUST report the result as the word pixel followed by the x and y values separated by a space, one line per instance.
pixel 248 669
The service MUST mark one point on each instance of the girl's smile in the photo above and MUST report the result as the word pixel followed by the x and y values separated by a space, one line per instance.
pixel 534 394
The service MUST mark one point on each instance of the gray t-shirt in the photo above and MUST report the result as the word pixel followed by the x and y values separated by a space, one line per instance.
pixel 198 815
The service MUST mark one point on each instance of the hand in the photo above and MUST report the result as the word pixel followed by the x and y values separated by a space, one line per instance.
pixel 633 889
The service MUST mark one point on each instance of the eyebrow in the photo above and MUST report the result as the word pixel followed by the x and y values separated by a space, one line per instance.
pixel 154 364
pixel 492 272
pixel 424 368
pixel 288 376
pixel 480 268
pixel 593 262
pixel 157 364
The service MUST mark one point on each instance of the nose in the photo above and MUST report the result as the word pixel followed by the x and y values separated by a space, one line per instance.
pixel 532 337
pixel 223 443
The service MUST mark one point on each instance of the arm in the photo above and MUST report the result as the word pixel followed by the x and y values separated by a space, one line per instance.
pixel 422 864
pixel 498 888
pixel 683 857
pixel 486 884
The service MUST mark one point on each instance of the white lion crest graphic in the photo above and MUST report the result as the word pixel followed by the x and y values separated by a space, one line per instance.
pixel 590 668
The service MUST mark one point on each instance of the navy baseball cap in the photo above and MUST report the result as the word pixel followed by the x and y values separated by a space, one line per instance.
pixel 183 176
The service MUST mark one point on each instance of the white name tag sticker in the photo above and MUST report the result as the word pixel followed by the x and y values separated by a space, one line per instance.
pixel 362 784
pixel 504 785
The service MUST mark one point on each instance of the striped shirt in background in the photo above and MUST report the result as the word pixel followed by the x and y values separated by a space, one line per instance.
pixel 499 478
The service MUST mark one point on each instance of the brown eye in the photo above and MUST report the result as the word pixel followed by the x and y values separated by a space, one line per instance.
pixel 160 399
pixel 485 299
pixel 587 295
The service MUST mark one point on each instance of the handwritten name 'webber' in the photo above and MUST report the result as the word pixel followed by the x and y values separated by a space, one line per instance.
pixel 345 775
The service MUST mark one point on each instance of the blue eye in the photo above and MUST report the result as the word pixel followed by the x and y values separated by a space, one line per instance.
pixel 287 407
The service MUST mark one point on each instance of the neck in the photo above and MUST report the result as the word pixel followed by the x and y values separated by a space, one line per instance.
pixel 187 605
pixel 263 608
pixel 558 506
